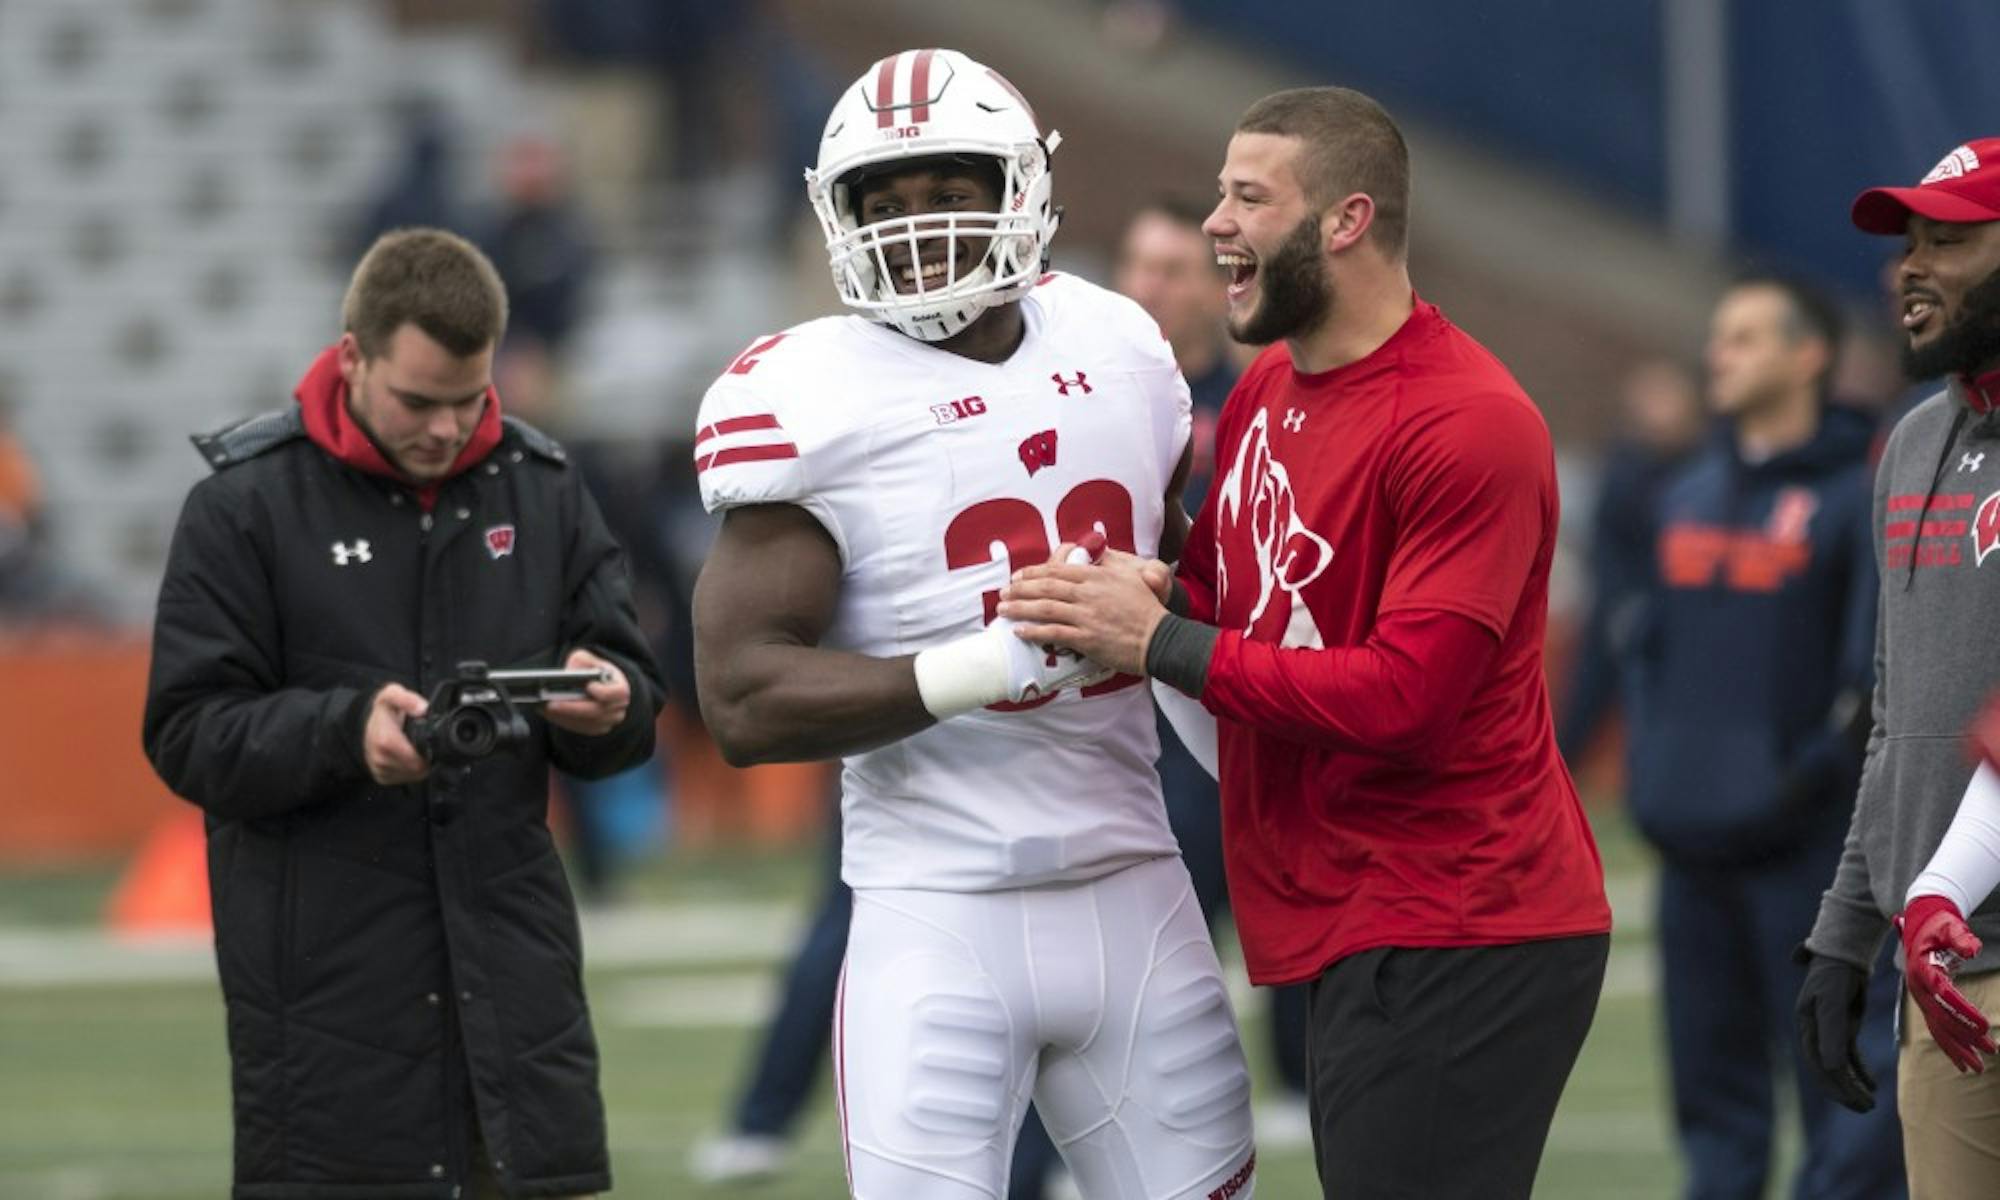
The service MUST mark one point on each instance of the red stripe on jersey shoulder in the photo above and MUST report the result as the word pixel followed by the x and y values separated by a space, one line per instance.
pixel 730 425
pixel 737 454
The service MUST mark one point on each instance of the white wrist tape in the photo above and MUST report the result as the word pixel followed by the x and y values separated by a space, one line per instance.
pixel 960 676
pixel 1966 866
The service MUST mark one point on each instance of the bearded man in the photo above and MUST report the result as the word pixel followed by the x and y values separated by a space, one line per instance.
pixel 1937 519
pixel 1361 603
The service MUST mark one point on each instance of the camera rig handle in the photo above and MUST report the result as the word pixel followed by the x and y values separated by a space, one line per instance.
pixel 478 711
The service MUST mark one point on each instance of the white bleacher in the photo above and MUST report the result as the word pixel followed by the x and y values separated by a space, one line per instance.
pixel 175 173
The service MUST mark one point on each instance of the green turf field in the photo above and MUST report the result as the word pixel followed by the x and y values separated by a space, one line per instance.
pixel 118 1090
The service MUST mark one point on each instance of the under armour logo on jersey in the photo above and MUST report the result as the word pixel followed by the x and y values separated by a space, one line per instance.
pixel 1970 462
pixel 500 540
pixel 1039 451
pixel 358 552
pixel 1295 419
pixel 1064 385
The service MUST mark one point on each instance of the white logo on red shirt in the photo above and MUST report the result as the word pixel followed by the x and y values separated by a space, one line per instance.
pixel 1259 509
pixel 1295 419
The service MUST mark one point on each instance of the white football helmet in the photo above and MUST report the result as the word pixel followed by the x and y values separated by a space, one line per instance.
pixel 919 104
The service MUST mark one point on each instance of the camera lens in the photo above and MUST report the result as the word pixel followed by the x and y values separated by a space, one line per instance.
pixel 470 734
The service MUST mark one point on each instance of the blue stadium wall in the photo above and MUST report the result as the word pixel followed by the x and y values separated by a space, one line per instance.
pixel 1826 96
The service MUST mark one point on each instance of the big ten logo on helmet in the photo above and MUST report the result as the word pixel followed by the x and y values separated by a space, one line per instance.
pixel 1259 509
pixel 959 410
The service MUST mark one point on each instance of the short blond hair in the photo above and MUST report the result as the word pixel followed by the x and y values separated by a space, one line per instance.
pixel 430 278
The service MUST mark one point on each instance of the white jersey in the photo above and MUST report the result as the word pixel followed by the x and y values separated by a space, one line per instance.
pixel 937 476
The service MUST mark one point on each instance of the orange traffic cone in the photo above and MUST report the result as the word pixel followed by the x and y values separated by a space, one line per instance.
pixel 165 887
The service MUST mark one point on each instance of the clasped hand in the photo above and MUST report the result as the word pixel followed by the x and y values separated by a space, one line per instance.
pixel 1106 611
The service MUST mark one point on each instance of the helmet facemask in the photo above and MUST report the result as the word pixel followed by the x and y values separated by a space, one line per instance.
pixel 868 260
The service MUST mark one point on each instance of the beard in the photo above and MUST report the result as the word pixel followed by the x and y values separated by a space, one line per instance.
pixel 1968 342
pixel 1295 294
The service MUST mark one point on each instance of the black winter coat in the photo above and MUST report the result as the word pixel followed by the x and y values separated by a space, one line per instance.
pixel 365 934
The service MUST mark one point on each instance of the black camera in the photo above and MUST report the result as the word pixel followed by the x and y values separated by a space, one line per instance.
pixel 478 711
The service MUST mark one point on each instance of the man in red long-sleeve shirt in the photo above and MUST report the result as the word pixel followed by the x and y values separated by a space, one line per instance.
pixel 1362 604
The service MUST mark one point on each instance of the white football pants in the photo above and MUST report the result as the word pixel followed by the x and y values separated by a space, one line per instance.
pixel 1103 1000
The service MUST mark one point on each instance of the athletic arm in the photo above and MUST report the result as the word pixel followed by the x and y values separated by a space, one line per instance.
pixel 1473 504
pixel 769 692
pixel 1399 694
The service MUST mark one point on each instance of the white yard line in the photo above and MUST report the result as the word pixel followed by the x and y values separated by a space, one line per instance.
pixel 686 935
pixel 637 936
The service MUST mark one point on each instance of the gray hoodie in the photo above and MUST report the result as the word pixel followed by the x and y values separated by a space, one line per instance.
pixel 1936 662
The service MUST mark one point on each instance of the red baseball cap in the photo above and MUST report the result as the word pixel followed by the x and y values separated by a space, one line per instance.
pixel 1964 188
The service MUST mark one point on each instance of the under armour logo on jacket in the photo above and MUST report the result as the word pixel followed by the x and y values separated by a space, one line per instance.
pixel 1064 385
pixel 1295 419
pixel 1970 462
pixel 358 552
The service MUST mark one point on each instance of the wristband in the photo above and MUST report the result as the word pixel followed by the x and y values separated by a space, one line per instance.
pixel 960 676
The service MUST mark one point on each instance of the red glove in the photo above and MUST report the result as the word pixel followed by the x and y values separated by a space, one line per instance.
pixel 1935 940
pixel 1984 735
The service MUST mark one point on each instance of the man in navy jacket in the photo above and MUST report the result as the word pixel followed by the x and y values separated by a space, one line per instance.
pixel 1750 699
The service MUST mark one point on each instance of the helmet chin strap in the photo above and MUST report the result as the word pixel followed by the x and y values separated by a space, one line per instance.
pixel 928 327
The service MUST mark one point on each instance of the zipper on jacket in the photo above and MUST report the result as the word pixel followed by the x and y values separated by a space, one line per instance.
pixel 285 927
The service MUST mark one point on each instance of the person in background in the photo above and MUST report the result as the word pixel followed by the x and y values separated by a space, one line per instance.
pixel 1750 673
pixel 20 524
pixel 1661 410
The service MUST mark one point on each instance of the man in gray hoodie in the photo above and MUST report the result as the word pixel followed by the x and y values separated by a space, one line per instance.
pixel 1937 522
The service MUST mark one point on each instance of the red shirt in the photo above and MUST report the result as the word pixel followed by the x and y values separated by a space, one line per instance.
pixel 1376 550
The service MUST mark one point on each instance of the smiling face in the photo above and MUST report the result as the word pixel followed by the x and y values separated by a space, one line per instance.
pixel 1267 237
pixel 935 187
pixel 418 401
pixel 1949 284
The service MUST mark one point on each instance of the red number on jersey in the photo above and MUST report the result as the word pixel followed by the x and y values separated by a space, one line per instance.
pixel 1100 504
pixel 749 358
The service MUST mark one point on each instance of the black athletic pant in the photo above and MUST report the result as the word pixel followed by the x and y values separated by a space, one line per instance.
pixel 1435 1072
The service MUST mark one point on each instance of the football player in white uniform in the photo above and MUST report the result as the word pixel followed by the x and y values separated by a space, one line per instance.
pixel 1023 924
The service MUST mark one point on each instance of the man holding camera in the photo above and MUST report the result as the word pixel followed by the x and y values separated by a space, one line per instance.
pixel 396 940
